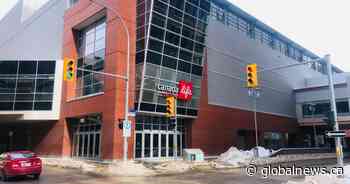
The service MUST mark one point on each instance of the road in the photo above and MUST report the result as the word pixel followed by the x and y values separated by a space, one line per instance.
pixel 236 176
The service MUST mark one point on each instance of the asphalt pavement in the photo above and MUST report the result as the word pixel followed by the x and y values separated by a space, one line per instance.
pixel 53 175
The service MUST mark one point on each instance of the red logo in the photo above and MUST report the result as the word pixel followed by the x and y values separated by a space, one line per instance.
pixel 185 90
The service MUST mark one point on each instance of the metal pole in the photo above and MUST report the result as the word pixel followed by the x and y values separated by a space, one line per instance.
pixel 256 123
pixel 339 148
pixel 175 138
pixel 126 107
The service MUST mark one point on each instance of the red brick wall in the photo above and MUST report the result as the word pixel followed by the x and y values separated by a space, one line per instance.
pixel 111 103
pixel 215 129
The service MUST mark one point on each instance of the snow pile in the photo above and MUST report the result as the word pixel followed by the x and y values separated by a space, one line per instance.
pixel 173 167
pixel 263 152
pixel 129 168
pixel 236 157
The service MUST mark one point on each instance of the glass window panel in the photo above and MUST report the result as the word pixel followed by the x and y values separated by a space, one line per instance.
pixel 342 107
pixel 140 57
pixel 24 97
pixel 184 66
pixel 179 4
pixel 149 83
pixel 148 96
pixel 6 106
pixel 153 70
pixel 195 2
pixel 27 67
pixel 190 9
pixel 157 33
pixel 160 7
pixel 200 37
pixel 154 58
pixel 45 85
pixel 205 5
pixel 187 44
pixel 169 62
pixel 140 45
pixel 171 50
pixel 196 80
pixel 8 67
pixel 185 55
pixel 7 97
pixel 190 21
pixel 46 67
pixel 173 26
pixel 7 85
pixel 199 48
pixel 22 106
pixel 168 74
pixel 172 38
pixel 43 97
pixel 100 44
pixel 188 32
pixel 197 70
pixel 175 14
pixel 158 20
pixel 25 86
pixel 183 76
pixel 201 26
pixel 100 34
pixel 156 45
pixel 203 16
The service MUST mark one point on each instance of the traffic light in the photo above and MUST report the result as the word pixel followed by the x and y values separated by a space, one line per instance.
pixel 69 69
pixel 170 106
pixel 252 76
pixel 330 119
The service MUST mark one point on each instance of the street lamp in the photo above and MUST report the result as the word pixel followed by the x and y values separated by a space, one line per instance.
pixel 127 76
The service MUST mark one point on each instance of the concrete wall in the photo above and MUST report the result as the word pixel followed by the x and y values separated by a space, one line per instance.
pixel 33 31
pixel 229 52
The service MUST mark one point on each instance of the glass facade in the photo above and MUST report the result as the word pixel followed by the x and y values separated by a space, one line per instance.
pixel 170 45
pixel 91 47
pixel 26 85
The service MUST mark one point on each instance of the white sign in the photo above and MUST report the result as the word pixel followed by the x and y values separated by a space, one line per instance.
pixel 162 88
pixel 126 128
pixel 339 133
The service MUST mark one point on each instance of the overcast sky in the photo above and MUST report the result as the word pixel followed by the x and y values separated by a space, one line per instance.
pixel 320 26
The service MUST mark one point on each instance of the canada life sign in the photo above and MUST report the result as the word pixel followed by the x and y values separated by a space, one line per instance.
pixel 183 91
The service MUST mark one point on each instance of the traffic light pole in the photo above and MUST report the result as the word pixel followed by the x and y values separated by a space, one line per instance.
pixel 175 131
pixel 339 147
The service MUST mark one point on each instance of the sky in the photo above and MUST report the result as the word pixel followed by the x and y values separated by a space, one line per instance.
pixel 318 25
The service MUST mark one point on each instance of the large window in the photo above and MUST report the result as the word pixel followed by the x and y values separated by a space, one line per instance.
pixel 92 44
pixel 26 85
pixel 322 108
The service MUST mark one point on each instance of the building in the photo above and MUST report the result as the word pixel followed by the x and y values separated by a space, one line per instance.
pixel 200 43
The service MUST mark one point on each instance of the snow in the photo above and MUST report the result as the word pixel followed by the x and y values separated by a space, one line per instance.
pixel 236 157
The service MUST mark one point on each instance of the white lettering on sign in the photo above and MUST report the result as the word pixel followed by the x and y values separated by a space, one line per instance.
pixel 168 89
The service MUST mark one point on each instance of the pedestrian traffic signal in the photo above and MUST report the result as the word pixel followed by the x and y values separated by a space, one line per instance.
pixel 329 119
pixel 170 106
pixel 252 76
pixel 69 69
